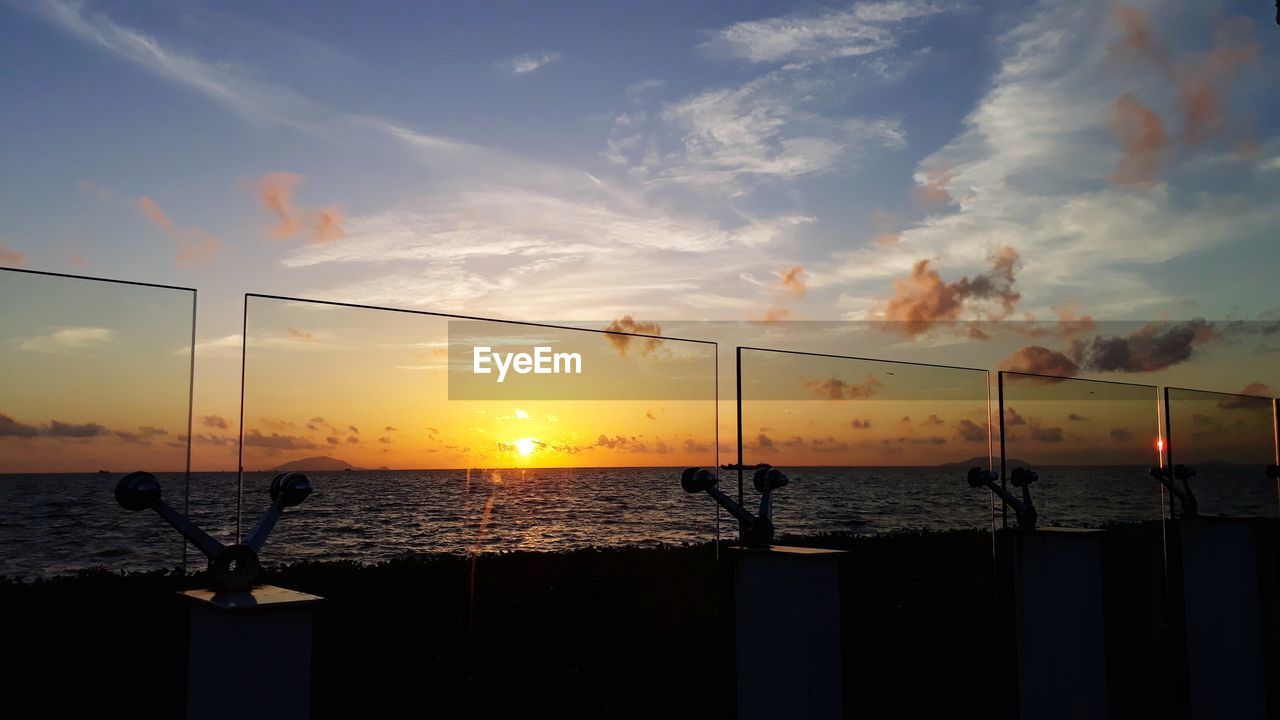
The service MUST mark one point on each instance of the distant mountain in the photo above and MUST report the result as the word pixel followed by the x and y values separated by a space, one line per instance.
pixel 981 461
pixel 319 463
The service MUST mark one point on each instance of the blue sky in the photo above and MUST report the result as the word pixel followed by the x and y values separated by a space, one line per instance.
pixel 581 161
pixel 491 149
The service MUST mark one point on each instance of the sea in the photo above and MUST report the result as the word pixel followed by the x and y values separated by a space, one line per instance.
pixel 56 524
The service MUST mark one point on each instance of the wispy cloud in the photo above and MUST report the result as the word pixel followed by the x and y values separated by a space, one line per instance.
pixel 11 257
pixel 645 86
pixel 71 340
pixel 195 246
pixel 862 29
pixel 525 64
pixel 226 84
pixel 724 139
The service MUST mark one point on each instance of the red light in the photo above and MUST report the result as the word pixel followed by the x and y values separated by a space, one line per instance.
pixel 1160 444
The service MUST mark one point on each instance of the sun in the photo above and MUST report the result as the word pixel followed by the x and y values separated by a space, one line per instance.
pixel 526 446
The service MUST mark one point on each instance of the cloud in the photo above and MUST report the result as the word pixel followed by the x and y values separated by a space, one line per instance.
pixel 74 430
pixel 969 431
pixel 864 28
pixel 1039 360
pixel 299 334
pixel 1141 133
pixel 11 257
pixel 1012 418
pixel 526 64
pixel 195 246
pixel 723 140
pixel 837 389
pixel 1042 434
pixel 275 192
pixel 1154 346
pixel 328 225
pixel 13 428
pixel 1199 78
pixel 9 427
pixel 212 440
pixel 223 83
pixel 932 420
pixel 793 280
pixel 276 441
pixel 1031 169
pixel 69 341
pixel 860 424
pixel 923 298
pixel 645 86
pixel 1248 397
pixel 628 324
pixel 214 421
pixel 931 190
pixel 1121 434
pixel 225 346
pixel 1257 388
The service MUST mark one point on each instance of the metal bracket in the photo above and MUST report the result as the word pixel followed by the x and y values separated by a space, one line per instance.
pixel 232 567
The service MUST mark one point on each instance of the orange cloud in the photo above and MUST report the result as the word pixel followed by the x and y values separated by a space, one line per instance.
pixel 935 191
pixel 195 246
pixel 1137 39
pixel 328 225
pixel 11 257
pixel 275 192
pixel 837 389
pixel 300 334
pixel 923 298
pixel 777 314
pixel 1200 80
pixel 1141 132
pixel 793 280
pixel 628 324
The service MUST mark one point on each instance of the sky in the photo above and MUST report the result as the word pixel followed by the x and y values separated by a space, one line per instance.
pixel 914 161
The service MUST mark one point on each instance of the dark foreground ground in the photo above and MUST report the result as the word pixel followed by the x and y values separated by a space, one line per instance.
pixel 603 633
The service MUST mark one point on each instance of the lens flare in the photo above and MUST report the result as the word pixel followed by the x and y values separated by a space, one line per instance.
pixel 525 446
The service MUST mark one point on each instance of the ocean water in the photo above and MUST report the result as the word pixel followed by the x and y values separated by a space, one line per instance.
pixel 57 524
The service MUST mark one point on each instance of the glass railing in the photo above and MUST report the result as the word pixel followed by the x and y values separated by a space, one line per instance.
pixel 1228 440
pixel 874 446
pixel 412 450
pixel 524 476
pixel 1091 445
pixel 95 382
pixel 877 455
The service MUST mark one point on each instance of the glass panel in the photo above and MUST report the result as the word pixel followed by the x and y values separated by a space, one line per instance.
pixel 1229 440
pixel 95 382
pixel 1091 444
pixel 876 453
pixel 884 446
pixel 528 506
